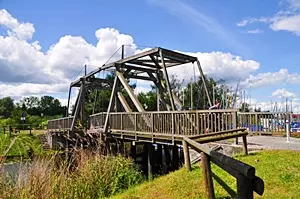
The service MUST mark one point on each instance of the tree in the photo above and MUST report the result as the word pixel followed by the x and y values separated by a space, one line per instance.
pixel 148 100
pixel 31 105
pixel 50 106
pixel 6 106
pixel 245 107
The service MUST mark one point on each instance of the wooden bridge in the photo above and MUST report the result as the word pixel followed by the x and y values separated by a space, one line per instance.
pixel 168 128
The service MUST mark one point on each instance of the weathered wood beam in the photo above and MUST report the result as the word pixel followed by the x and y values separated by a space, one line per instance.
pixel 177 56
pixel 208 181
pixel 109 108
pixel 77 106
pixel 130 67
pixel 204 82
pixel 130 92
pixel 217 158
pixel 137 56
pixel 124 102
pixel 186 153
pixel 167 80
pixel 69 97
pixel 140 77
pixel 160 89
pixel 217 133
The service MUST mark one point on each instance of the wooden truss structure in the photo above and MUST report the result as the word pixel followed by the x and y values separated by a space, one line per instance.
pixel 149 65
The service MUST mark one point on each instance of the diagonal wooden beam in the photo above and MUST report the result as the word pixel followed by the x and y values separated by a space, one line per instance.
pixel 124 102
pixel 77 106
pixel 130 92
pixel 167 80
pixel 204 81
pixel 109 108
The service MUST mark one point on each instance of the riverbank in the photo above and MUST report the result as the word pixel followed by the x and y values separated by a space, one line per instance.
pixel 280 171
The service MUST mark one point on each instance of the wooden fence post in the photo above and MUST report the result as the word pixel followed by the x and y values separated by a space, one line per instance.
pixel 208 181
pixel 245 148
pixel 186 154
pixel 234 125
pixel 244 187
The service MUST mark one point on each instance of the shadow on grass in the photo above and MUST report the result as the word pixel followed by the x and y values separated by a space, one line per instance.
pixel 230 191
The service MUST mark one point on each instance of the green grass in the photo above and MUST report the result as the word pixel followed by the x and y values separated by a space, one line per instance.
pixel 280 171
pixel 23 143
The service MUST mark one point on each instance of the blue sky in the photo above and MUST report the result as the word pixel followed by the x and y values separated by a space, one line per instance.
pixel 264 32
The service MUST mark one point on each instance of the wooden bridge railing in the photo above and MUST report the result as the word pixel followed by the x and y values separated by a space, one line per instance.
pixel 61 123
pixel 263 121
pixel 247 181
pixel 162 122
pixel 170 122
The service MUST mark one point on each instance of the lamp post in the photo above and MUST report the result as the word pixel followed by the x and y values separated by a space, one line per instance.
pixel 23 118
pixel 42 114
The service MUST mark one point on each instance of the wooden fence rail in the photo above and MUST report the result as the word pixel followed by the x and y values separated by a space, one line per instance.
pixel 16 128
pixel 247 181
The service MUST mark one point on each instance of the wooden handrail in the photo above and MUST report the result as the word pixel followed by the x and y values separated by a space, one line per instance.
pixel 247 182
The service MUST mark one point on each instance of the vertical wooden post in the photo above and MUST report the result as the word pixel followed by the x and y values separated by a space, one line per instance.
pixel 208 181
pixel 29 129
pixel 173 126
pixel 234 125
pixel 244 187
pixel 186 154
pixel 4 129
pixel 245 148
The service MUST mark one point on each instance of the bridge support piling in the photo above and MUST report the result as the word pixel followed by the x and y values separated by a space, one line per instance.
pixel 166 159
pixel 175 158
pixel 159 158
pixel 133 151
pixel 150 161
pixel 186 153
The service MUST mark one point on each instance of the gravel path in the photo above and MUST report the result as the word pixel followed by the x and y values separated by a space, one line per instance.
pixel 269 142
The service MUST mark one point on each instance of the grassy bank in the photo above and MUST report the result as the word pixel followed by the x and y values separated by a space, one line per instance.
pixel 19 144
pixel 280 171
pixel 89 176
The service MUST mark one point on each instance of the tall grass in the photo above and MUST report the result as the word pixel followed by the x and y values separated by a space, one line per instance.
pixel 89 175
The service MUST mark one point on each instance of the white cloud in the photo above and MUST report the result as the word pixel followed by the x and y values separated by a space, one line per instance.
pixel 15 28
pixel 286 19
pixel 218 65
pixel 255 31
pixel 287 23
pixel 17 91
pixel 283 93
pixel 248 21
pixel 271 78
